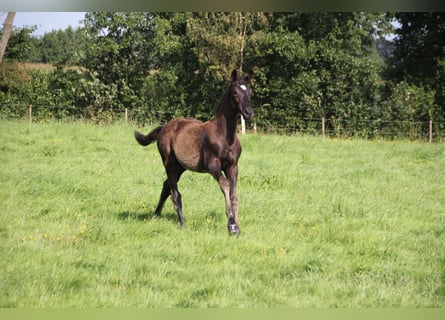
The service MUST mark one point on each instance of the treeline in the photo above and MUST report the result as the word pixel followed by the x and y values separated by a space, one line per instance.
pixel 339 66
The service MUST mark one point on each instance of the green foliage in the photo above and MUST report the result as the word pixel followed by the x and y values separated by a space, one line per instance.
pixel 410 102
pixel 353 32
pixel 281 59
pixel 21 45
pixel 77 227
pixel 63 47
pixel 58 47
pixel 313 81
pixel 163 97
pixel 419 56
pixel 411 105
pixel 118 52
pixel 307 66
pixel 12 77
pixel 218 39
pixel 54 94
pixel 95 95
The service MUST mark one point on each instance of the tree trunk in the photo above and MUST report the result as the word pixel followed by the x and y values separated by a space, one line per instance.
pixel 7 29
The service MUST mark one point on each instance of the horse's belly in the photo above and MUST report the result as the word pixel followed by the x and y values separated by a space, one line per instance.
pixel 187 148
pixel 188 156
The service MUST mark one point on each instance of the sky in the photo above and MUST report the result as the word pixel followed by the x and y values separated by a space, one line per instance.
pixel 45 21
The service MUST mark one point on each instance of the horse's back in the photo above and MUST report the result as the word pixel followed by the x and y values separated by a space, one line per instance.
pixel 181 138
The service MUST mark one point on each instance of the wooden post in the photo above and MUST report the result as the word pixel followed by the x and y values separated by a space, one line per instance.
pixel 30 113
pixel 126 114
pixel 431 131
pixel 322 127
pixel 243 125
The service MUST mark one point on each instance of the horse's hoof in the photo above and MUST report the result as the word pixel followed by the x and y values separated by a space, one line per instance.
pixel 234 230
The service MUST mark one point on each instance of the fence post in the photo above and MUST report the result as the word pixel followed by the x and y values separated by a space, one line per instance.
pixel 431 131
pixel 243 125
pixel 30 113
pixel 322 127
pixel 126 114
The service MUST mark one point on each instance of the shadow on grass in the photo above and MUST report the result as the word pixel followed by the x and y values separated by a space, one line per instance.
pixel 144 216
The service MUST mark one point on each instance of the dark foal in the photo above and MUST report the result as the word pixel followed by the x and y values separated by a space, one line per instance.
pixel 212 146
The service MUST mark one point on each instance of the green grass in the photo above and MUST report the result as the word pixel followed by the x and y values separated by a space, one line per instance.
pixel 325 223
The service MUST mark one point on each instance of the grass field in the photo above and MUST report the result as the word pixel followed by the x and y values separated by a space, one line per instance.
pixel 325 223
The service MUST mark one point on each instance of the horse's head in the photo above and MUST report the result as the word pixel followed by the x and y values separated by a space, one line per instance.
pixel 241 92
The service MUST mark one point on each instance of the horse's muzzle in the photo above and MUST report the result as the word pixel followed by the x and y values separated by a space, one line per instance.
pixel 247 113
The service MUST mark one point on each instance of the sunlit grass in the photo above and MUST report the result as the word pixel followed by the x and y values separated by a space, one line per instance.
pixel 325 223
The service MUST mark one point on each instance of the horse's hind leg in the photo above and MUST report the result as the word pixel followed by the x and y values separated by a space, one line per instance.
pixel 174 172
pixel 177 202
pixel 164 195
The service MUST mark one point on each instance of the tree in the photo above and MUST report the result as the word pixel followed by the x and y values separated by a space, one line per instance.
pixel 419 56
pixel 281 58
pixel 63 47
pixel 220 42
pixel 7 29
pixel 317 65
pixel 13 76
pixel 118 53
pixel 23 46
pixel 420 44
pixel 354 32
pixel 169 78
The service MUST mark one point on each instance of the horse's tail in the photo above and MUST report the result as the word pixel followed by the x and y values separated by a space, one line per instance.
pixel 145 140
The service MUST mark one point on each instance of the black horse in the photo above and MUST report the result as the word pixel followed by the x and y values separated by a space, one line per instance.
pixel 212 146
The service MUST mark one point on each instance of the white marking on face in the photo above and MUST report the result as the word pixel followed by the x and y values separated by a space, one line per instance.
pixel 243 87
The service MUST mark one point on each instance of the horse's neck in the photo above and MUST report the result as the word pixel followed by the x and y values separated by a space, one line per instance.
pixel 226 119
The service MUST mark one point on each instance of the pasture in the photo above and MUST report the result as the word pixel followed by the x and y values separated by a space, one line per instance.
pixel 325 223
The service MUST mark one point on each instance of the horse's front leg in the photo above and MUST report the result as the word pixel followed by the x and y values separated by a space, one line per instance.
pixel 226 187
pixel 232 176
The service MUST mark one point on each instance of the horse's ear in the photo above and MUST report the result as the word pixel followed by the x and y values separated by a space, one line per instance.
pixel 249 76
pixel 234 76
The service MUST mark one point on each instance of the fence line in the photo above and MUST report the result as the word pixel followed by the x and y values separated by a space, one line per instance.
pixel 430 130
pixel 416 130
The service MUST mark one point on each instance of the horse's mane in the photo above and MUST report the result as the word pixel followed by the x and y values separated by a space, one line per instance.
pixel 222 101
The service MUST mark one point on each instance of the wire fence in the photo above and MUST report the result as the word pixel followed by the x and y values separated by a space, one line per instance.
pixel 431 131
